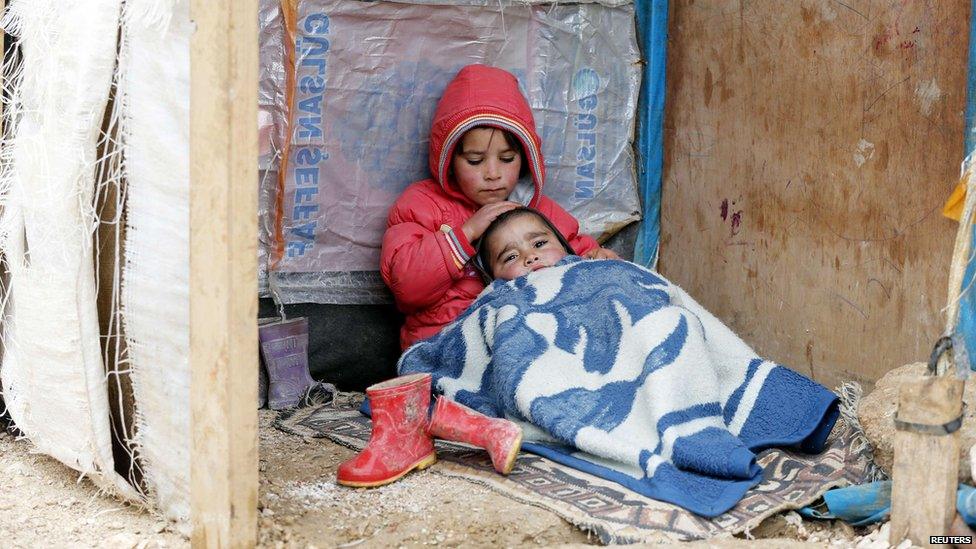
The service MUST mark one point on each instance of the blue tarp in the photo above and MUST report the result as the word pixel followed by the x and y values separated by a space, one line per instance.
pixel 966 327
pixel 869 503
pixel 652 31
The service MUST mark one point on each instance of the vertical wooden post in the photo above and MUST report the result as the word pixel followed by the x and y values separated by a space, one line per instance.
pixel 926 464
pixel 223 272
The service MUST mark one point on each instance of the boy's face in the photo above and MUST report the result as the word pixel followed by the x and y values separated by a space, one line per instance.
pixel 488 169
pixel 522 245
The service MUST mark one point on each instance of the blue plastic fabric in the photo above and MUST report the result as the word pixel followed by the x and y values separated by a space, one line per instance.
pixel 856 505
pixel 652 32
pixel 966 504
pixel 971 86
pixel 869 503
pixel 966 327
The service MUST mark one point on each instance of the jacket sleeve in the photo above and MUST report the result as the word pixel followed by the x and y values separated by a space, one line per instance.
pixel 421 258
pixel 567 224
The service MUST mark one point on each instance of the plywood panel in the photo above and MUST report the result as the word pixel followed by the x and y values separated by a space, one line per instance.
pixel 809 146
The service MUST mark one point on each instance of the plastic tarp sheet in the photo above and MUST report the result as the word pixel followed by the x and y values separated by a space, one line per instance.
pixel 366 81
pixel 53 378
pixel 652 27
pixel 869 503
pixel 154 88
pixel 966 326
pixel 272 121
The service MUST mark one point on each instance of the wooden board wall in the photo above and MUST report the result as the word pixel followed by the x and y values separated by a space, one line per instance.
pixel 809 146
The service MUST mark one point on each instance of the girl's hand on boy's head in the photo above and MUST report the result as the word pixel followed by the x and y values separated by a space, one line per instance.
pixel 475 226
pixel 601 253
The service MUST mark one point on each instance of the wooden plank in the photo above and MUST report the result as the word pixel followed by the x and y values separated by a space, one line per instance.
pixel 809 147
pixel 926 467
pixel 223 272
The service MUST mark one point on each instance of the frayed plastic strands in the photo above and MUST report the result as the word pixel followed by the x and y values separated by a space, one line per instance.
pixel 50 157
pixel 154 15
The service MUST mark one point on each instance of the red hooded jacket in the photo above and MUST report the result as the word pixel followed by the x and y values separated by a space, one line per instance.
pixel 425 254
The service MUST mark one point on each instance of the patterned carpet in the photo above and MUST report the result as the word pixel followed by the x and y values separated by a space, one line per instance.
pixel 612 512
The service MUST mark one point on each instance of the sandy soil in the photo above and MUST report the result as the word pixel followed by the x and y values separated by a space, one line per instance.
pixel 43 505
pixel 300 505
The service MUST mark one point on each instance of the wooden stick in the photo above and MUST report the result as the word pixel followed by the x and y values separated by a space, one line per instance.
pixel 223 272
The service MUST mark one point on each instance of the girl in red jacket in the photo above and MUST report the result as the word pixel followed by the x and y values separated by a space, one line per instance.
pixel 486 158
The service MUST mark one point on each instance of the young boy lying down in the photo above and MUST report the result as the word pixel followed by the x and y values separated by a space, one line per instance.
pixel 518 242
pixel 610 368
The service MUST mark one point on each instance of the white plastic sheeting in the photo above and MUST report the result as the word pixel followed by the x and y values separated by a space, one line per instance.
pixel 52 373
pixel 154 82
pixel 367 78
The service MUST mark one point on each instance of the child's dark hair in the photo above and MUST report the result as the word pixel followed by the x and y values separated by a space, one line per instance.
pixel 481 259
pixel 510 140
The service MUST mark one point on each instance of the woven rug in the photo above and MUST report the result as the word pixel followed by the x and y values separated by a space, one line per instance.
pixel 612 512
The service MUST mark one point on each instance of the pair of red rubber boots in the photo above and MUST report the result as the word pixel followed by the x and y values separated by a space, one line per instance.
pixel 403 438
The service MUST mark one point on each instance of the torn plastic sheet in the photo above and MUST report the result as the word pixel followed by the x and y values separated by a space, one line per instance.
pixel 368 78
pixel 154 71
pixel 53 376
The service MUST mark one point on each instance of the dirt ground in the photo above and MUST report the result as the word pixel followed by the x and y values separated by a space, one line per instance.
pixel 42 504
pixel 300 506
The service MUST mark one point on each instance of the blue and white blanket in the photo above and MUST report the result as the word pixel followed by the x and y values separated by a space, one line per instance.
pixel 611 369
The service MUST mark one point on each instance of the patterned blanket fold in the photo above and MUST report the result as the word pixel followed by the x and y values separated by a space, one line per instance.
pixel 611 369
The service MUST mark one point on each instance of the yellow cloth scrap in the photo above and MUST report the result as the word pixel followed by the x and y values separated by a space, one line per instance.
pixel 953 206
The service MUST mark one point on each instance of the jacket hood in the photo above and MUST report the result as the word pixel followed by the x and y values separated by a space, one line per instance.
pixel 485 96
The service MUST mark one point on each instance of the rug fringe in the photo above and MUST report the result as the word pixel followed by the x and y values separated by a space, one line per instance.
pixel 850 393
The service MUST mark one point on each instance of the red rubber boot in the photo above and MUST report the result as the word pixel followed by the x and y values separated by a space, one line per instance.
pixel 501 437
pixel 399 442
